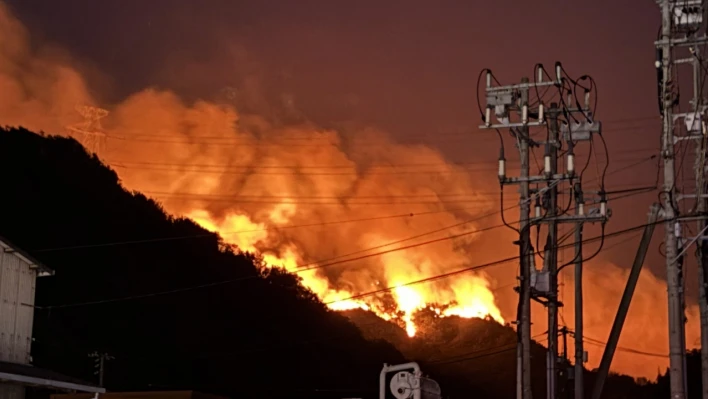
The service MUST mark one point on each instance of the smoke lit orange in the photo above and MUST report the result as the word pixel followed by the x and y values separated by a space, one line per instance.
pixel 469 297
pixel 252 182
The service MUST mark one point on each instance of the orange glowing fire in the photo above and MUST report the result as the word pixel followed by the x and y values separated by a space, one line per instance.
pixel 204 152
pixel 159 143
pixel 470 297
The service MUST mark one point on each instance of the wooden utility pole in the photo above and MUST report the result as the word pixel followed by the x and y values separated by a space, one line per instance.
pixel 552 253
pixel 525 253
pixel 578 372
pixel 681 22
pixel 100 363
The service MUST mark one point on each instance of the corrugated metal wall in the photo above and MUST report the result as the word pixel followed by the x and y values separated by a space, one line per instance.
pixel 17 288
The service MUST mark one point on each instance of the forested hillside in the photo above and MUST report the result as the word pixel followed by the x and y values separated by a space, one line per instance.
pixel 240 331
pixel 180 310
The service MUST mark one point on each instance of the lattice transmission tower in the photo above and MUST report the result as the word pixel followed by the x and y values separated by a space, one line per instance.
pixel 90 132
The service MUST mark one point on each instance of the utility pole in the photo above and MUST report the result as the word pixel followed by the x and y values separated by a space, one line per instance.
pixel 698 128
pixel 565 364
pixel 99 364
pixel 578 373
pixel 681 21
pixel 702 258
pixel 525 254
pixel 552 253
pixel 514 111
pixel 676 350
pixel 564 331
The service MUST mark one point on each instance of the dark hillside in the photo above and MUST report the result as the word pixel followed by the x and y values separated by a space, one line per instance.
pixel 218 323
pixel 244 336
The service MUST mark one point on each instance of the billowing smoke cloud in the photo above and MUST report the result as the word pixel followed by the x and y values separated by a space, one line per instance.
pixel 253 180
pixel 39 90
pixel 243 174
pixel 237 174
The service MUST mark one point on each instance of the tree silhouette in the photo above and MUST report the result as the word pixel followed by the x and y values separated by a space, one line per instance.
pixel 246 333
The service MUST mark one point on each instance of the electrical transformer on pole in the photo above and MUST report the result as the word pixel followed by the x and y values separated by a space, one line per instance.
pixel 568 121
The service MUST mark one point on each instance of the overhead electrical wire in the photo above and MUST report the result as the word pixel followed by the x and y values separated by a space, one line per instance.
pixel 159 239
pixel 245 198
pixel 478 165
pixel 477 267
pixel 253 142
pixel 410 238
pixel 624 349
pixel 465 356
pixel 272 228
pixel 323 166
pixel 358 296
pixel 295 171
pixel 603 236
pixel 308 137
pixel 503 349
pixel 513 346
pixel 256 142
pixel 308 267
pixel 291 344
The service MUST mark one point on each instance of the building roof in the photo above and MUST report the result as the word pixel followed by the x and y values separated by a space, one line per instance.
pixel 25 374
pixel 9 247
pixel 142 395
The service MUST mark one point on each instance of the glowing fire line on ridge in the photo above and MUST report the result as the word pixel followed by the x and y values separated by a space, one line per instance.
pixel 467 298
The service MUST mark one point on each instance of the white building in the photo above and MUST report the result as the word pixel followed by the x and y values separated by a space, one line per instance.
pixel 18 277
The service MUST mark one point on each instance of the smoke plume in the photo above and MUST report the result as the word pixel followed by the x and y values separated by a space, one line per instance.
pixel 300 195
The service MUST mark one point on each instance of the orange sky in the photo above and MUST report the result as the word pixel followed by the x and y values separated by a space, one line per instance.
pixel 347 88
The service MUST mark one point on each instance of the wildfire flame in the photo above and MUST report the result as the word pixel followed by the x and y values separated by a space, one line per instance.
pixel 201 160
pixel 41 90
pixel 152 138
pixel 467 298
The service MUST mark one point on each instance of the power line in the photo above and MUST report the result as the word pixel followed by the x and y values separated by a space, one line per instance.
pixel 254 171
pixel 625 349
pixel 306 137
pixel 324 166
pixel 482 197
pixel 486 265
pixel 422 235
pixel 466 356
pixel 344 202
pixel 253 141
pixel 512 347
pixel 437 230
pixel 299 270
pixel 277 228
pixel 131 242
pixel 506 349
pixel 383 169
pixel 424 280
pixel 236 198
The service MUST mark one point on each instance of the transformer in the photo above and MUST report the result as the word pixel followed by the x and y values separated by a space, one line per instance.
pixel 405 381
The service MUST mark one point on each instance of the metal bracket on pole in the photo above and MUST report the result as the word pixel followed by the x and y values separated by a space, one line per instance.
pixel 581 130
